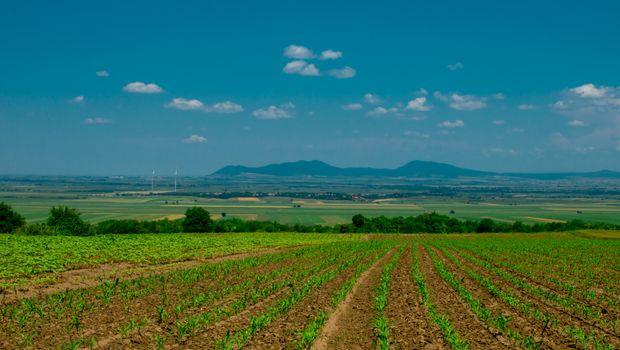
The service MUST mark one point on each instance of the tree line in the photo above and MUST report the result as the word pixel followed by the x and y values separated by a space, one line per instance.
pixel 68 221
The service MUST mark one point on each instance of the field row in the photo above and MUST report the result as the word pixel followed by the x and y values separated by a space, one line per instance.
pixel 399 293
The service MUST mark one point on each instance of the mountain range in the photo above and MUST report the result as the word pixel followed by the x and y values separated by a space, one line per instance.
pixel 416 168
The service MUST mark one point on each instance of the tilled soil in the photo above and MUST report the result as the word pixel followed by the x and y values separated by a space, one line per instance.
pixel 462 318
pixel 281 334
pixel 350 325
pixel 564 317
pixel 410 326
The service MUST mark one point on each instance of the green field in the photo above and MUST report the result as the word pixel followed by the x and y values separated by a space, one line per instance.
pixel 96 208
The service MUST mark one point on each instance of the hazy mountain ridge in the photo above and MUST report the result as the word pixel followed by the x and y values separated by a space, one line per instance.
pixel 416 168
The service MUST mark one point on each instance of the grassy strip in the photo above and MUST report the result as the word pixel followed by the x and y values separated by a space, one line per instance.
pixel 381 322
pixel 312 329
pixel 441 319
pixel 241 337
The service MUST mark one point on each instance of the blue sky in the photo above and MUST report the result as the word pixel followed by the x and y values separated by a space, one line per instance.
pixel 117 87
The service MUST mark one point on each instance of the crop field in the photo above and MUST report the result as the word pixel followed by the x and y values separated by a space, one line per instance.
pixel 536 291
pixel 35 208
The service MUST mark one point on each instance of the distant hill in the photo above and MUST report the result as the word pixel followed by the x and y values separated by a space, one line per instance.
pixel 416 168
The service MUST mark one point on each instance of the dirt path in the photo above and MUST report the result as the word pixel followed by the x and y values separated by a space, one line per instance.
pixel 447 300
pixel 281 333
pixel 350 325
pixel 410 325
pixel 90 277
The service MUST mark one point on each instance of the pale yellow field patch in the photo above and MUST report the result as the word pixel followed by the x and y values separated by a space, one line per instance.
pixel 171 217
pixel 248 199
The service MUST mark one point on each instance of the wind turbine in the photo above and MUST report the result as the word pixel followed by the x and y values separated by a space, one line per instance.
pixel 153 181
pixel 176 171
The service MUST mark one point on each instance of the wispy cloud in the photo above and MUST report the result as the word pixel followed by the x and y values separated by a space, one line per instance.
pixel 455 66
pixel 372 98
pixel 418 104
pixel 78 100
pixel 462 102
pixel 352 107
pixel 102 73
pixel 143 88
pixel 272 112
pixel 197 105
pixel 379 111
pixel 499 122
pixel 577 123
pixel 342 73
pixel 97 121
pixel 195 139
pixel 452 124
pixel 527 107
pixel 331 55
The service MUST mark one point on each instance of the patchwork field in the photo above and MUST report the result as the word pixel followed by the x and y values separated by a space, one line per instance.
pixel 309 212
pixel 257 291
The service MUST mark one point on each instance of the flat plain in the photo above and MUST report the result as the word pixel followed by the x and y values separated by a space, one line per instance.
pixel 492 291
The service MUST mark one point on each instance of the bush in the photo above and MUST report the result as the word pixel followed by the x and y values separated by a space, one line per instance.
pixel 68 221
pixel 38 230
pixel 197 220
pixel 10 220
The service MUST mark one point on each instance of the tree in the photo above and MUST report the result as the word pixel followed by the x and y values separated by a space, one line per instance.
pixel 68 221
pixel 10 220
pixel 358 221
pixel 197 220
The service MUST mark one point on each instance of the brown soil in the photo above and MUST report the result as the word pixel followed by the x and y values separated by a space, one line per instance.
pixel 350 326
pixel 281 333
pixel 410 326
pixel 91 276
pixel 461 317
pixel 564 317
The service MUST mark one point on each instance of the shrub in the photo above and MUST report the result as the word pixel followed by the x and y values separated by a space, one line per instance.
pixel 38 230
pixel 197 220
pixel 68 221
pixel 10 220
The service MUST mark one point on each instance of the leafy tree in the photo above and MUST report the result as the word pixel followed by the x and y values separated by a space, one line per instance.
pixel 10 220
pixel 358 221
pixel 68 221
pixel 197 220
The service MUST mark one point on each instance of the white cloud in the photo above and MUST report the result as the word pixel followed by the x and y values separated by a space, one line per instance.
pixel 378 111
pixel 560 104
pixel 97 121
pixel 499 122
pixel 352 107
pixel 590 91
pixel 577 123
pixel 451 124
pixel 298 52
pixel 455 66
pixel 102 73
pixel 301 68
pixel 197 105
pixel 499 96
pixel 462 102
pixel 372 99
pixel 422 92
pixel 143 88
pixel 78 100
pixel 418 104
pixel 224 107
pixel 527 107
pixel 284 111
pixel 343 73
pixel 195 139
pixel 331 55
pixel 185 104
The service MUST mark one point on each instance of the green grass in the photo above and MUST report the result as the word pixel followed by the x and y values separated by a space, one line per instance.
pixel 35 208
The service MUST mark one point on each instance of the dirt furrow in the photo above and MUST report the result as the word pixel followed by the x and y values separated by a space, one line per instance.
pixel 459 313
pixel 410 326
pixel 350 325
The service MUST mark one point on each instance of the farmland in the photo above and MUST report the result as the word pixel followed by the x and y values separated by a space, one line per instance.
pixel 492 291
